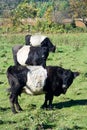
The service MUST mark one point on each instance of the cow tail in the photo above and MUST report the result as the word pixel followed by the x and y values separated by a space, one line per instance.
pixel 11 78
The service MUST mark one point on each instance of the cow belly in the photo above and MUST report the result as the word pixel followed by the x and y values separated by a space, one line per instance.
pixel 30 92
pixel 36 78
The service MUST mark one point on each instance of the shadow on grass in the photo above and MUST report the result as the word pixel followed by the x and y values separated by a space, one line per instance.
pixel 1 82
pixel 70 103
pixel 74 128
pixel 44 127
pixel 4 109
pixel 7 122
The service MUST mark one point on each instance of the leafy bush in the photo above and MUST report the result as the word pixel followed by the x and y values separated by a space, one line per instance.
pixel 47 27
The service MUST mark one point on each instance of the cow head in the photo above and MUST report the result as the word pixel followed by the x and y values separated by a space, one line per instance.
pixel 38 56
pixel 68 77
pixel 52 49
pixel 47 43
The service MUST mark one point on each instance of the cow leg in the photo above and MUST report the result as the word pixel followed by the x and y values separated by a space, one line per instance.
pixel 12 101
pixel 17 105
pixel 45 102
pixel 50 102
pixel 48 97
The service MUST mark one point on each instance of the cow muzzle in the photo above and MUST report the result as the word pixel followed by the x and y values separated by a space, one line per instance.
pixel 64 88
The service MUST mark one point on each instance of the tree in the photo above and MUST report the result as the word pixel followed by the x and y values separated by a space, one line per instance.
pixel 78 8
pixel 23 10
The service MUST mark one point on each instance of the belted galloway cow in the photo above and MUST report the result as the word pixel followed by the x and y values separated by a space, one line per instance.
pixel 40 40
pixel 36 80
pixel 28 55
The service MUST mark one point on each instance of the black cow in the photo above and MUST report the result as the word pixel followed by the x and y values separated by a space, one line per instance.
pixel 39 40
pixel 29 55
pixel 35 80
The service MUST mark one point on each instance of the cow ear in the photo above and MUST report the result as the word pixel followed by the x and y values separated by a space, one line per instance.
pixel 76 74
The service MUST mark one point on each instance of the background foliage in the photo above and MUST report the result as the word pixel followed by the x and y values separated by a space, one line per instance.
pixel 41 15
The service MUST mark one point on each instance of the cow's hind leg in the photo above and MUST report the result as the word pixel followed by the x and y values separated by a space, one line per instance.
pixel 12 101
pixel 17 104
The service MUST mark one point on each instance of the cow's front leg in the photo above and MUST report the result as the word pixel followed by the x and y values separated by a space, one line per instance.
pixel 45 102
pixel 48 97
pixel 50 102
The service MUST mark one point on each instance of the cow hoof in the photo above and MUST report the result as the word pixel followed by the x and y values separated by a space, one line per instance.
pixel 44 107
pixel 50 107
pixel 20 109
pixel 14 112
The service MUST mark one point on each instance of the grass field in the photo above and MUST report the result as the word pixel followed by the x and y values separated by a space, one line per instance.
pixel 70 110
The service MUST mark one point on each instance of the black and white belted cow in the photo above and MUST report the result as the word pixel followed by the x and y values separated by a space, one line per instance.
pixel 40 40
pixel 29 55
pixel 36 80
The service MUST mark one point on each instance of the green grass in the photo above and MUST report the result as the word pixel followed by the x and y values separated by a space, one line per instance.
pixel 70 110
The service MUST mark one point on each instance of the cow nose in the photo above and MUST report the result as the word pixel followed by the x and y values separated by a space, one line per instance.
pixel 42 56
pixel 63 86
